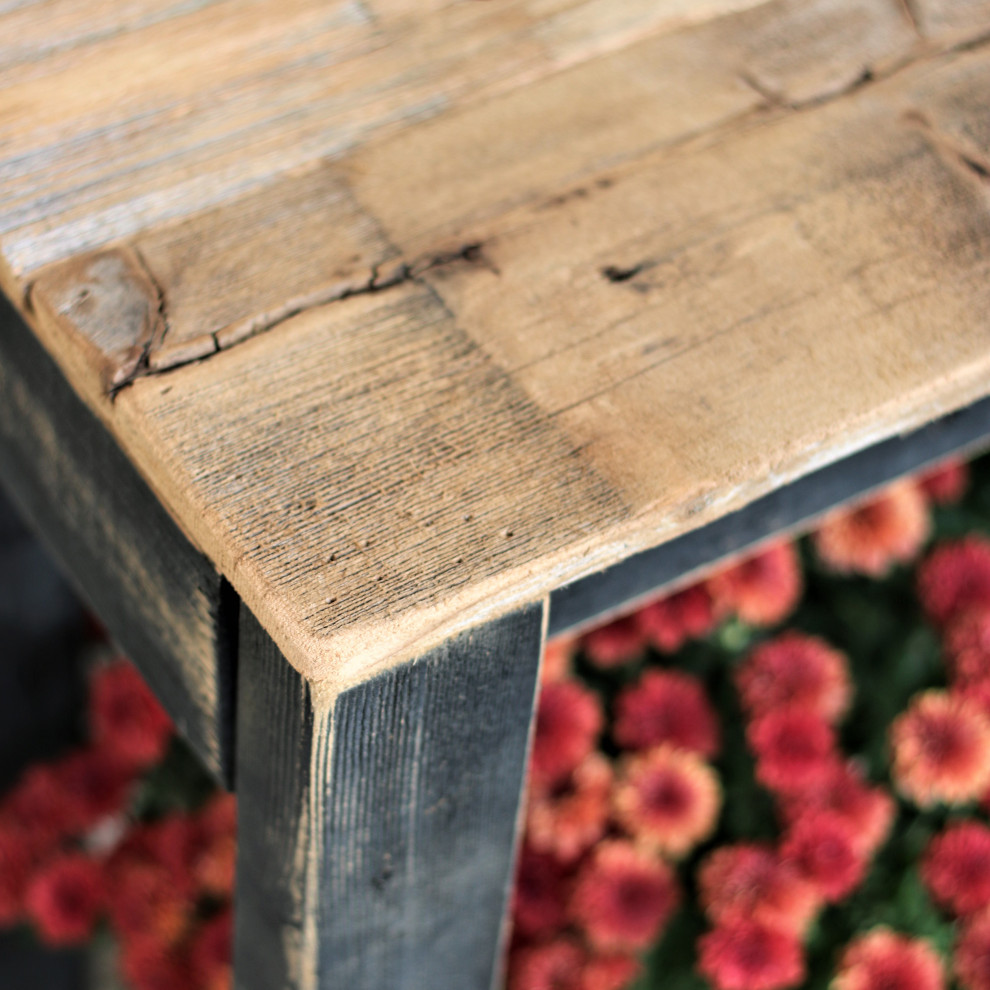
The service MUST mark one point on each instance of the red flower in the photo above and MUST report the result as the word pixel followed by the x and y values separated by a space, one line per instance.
pixel 566 821
pixel 568 720
pixel 210 954
pixel 539 907
pixel 955 577
pixel 795 749
pixel 126 716
pixel 147 964
pixel 665 706
pixel 623 897
pixel 94 784
pixel 871 537
pixel 763 589
pixel 941 750
pixel 18 855
pixel 64 898
pixel 967 646
pixel 956 867
pixel 612 972
pixel 38 805
pixel 947 482
pixel 972 955
pixel 824 851
pixel 747 955
pixel 212 846
pixel 869 811
pixel 670 621
pixel 884 960
pixel 614 644
pixel 754 882
pixel 556 965
pixel 795 669
pixel 668 798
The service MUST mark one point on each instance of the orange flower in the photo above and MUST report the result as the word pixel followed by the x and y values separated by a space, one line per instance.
pixel 941 750
pixel 566 821
pixel 873 536
pixel 762 589
pixel 557 657
pixel 754 882
pixel 667 798
pixel 884 960
pixel 795 669
pixel 623 897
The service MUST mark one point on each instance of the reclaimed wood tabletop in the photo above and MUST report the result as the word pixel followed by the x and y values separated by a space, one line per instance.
pixel 408 312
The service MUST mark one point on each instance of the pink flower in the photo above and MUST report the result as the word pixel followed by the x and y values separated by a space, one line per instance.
pixel 669 622
pixel 795 749
pixel 967 646
pixel 540 894
pixel 568 721
pixel 611 972
pixel 557 657
pixel 567 820
pixel 955 577
pixel 64 898
pixel 884 960
pixel 666 706
pixel 823 849
pixel 623 897
pixel 668 799
pixel 747 955
pixel 754 882
pixel 941 750
pixel 946 482
pixel 956 867
pixel 614 644
pixel 795 670
pixel 555 965
pixel 873 536
pixel 972 955
pixel 762 589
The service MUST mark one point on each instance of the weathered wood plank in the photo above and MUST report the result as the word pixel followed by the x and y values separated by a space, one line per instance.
pixel 377 827
pixel 162 600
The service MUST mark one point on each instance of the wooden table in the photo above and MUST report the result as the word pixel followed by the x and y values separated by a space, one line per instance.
pixel 371 339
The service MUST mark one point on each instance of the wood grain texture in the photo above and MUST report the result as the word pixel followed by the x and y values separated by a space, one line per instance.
pixel 163 601
pixel 637 265
pixel 377 828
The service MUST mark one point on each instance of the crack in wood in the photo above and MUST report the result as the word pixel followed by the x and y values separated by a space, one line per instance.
pixel 950 148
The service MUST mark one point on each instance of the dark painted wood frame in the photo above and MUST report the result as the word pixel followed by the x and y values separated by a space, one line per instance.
pixel 377 827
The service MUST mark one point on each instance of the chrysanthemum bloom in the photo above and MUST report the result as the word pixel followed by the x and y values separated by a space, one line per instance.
pixel 567 820
pixel 147 964
pixel 873 536
pixel 18 856
pixel 568 720
pixel 666 706
pixel 557 657
pixel 747 955
pixel 210 954
pixel 623 897
pixel 540 893
pixel 795 669
pixel 941 750
pixel 763 589
pixel 670 621
pixel 956 867
pixel 868 810
pixel 213 849
pixel 946 483
pixel 611 972
pixel 884 960
pixel 94 785
pixel 38 805
pixel 794 748
pixel 667 798
pixel 126 717
pixel 614 644
pixel 65 897
pixel 753 881
pixel 972 956
pixel 966 646
pixel 955 577
pixel 555 965
pixel 823 849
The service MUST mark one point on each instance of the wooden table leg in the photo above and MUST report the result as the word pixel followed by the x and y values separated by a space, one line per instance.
pixel 377 828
